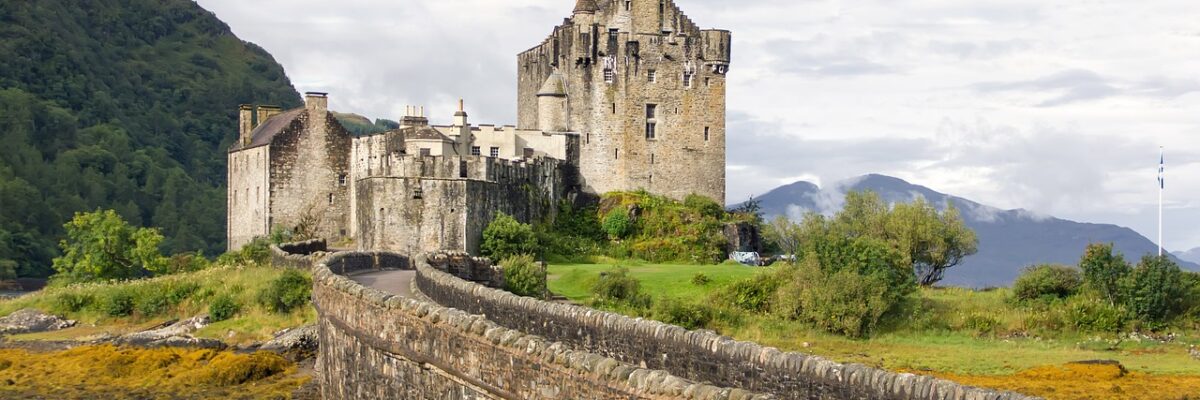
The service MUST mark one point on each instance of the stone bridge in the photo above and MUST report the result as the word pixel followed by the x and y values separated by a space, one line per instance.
pixel 392 326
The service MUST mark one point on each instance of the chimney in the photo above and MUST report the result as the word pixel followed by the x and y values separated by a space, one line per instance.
pixel 460 117
pixel 266 112
pixel 414 116
pixel 318 101
pixel 245 123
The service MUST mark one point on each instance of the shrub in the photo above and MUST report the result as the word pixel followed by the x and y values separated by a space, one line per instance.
pixel 700 279
pixel 223 307
pixel 1047 282
pixel 685 314
pixel 1092 314
pixel 257 252
pixel 178 291
pixel 116 302
pixel 151 301
pixel 981 324
pixel 66 302
pixel 616 288
pixel 1154 289
pixel 524 277
pixel 844 302
pixel 101 246
pixel 283 294
pixel 506 237
pixel 1103 270
pixel 617 224
pixel 186 262
pixel 752 294
pixel 703 205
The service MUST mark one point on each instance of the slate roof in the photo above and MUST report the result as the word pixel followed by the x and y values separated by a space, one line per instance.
pixel 424 133
pixel 266 132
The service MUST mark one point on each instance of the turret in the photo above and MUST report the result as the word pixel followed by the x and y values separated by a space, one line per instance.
pixel 552 104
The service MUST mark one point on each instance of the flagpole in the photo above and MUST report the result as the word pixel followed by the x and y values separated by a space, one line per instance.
pixel 1162 184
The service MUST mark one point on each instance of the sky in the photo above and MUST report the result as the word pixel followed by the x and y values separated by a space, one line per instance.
pixel 1057 107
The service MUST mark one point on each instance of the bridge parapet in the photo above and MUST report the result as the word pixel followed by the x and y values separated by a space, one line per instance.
pixel 376 345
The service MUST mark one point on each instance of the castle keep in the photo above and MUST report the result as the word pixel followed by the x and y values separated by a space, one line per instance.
pixel 624 95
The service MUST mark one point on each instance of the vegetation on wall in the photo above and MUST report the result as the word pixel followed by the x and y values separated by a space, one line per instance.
pixel 127 106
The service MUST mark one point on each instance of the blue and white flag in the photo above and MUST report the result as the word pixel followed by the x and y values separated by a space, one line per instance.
pixel 1162 177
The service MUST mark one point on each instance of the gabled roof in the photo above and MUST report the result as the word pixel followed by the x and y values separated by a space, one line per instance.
pixel 265 132
pixel 586 6
pixel 424 133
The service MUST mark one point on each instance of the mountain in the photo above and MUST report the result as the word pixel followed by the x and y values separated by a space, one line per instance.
pixel 128 105
pixel 1009 240
pixel 1192 255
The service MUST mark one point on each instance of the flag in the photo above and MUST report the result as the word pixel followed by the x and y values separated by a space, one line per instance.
pixel 1162 172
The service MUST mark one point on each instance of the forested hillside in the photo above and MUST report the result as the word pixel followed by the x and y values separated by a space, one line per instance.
pixel 128 105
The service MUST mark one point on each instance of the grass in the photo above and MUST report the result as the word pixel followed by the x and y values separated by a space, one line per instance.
pixel 940 335
pixel 88 372
pixel 157 300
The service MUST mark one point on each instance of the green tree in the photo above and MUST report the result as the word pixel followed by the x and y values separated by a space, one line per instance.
pixel 784 234
pixel 506 237
pixel 1103 270
pixel 1047 282
pixel 100 245
pixel 1154 289
pixel 930 241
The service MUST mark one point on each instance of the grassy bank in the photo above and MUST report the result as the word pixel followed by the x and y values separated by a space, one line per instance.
pixel 978 337
pixel 122 307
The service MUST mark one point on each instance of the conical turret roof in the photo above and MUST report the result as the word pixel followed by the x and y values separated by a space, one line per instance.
pixel 554 86
pixel 588 6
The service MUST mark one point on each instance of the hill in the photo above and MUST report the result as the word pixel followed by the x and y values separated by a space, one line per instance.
pixel 126 105
pixel 1192 255
pixel 1009 240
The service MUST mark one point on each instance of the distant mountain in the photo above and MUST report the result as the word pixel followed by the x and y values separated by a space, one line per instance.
pixel 1009 240
pixel 1192 255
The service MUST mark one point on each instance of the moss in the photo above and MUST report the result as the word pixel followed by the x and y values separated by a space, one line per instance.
pixel 1077 381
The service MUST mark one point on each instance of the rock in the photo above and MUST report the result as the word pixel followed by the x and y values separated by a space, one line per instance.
pixel 176 334
pixel 296 344
pixel 30 321
pixel 1194 352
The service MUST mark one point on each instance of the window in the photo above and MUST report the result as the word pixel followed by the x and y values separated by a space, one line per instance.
pixel 425 153
pixel 651 76
pixel 706 134
pixel 651 122
pixel 342 179
pixel 587 137
pixel 614 108
pixel 628 4
pixel 687 79
pixel 495 152
pixel 475 151
pixel 609 76
pixel 612 34
pixel 616 154
pixel 651 158
pixel 331 198
pixel 705 82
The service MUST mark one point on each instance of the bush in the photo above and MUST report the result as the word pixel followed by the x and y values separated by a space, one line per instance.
pixel 616 288
pixel 116 302
pixel 67 302
pixel 223 307
pixel 981 324
pixel 505 237
pixel 283 294
pixel 844 302
pixel 1103 270
pixel 178 291
pixel 700 279
pixel 1047 282
pixel 685 314
pixel 151 302
pixel 524 277
pixel 1153 291
pixel 753 294
pixel 257 252
pixel 617 224
pixel 101 246
pixel 704 205
pixel 186 262
pixel 1092 314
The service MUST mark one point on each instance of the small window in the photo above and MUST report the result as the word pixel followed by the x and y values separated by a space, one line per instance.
pixel 425 152
pixel 609 76
pixel 651 129
pixel 706 134
pixel 331 198
pixel 614 108
pixel 342 179
pixel 628 4
pixel 587 137
pixel 687 79
pixel 495 152
pixel 705 82
pixel 475 151
pixel 616 154
pixel 651 158
pixel 612 34
pixel 651 76
pixel 651 111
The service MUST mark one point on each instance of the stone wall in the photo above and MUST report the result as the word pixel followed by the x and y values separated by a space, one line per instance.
pixel 310 169
pixel 298 255
pixel 480 270
pixel 375 345
pixel 697 355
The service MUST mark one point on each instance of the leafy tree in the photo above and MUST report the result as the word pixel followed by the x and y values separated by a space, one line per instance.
pixel 784 234
pixel 1103 270
pixel 1154 289
pixel 931 241
pixel 751 208
pixel 506 237
pixel 101 246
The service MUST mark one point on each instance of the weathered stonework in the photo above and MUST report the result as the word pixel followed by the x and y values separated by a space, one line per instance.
pixel 612 60
pixel 378 346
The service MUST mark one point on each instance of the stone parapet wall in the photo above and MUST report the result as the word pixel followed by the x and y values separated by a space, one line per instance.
pixel 375 345
pixel 697 355
pixel 475 269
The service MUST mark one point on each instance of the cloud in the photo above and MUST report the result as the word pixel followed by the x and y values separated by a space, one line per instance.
pixel 1080 85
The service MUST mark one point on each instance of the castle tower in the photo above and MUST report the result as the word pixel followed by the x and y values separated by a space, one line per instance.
pixel 644 88
pixel 552 104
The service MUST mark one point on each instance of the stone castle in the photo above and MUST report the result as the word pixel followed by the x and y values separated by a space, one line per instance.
pixel 624 95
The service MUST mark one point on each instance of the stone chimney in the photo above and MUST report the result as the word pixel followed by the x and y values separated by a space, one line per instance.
pixel 460 117
pixel 414 116
pixel 266 112
pixel 245 123
pixel 316 101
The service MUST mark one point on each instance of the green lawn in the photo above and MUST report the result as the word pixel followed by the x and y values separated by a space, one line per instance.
pixel 937 340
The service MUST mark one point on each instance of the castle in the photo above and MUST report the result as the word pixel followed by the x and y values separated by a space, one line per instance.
pixel 624 95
